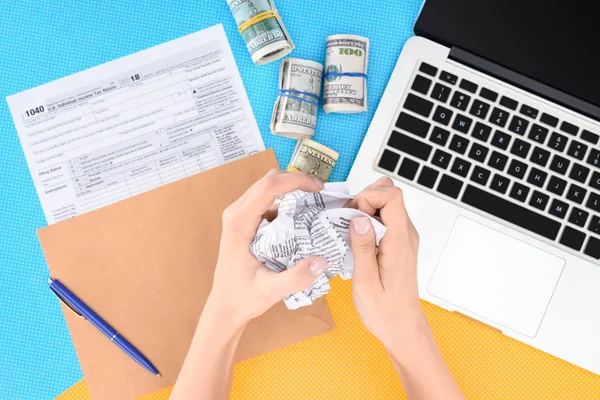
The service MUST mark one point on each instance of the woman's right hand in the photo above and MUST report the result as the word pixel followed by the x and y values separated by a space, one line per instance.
pixel 385 278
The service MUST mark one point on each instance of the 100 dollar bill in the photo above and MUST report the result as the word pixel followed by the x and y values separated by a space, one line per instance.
pixel 267 40
pixel 296 108
pixel 346 54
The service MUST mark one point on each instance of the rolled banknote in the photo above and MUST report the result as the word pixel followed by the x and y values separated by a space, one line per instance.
pixel 261 28
pixel 345 87
pixel 295 111
pixel 313 158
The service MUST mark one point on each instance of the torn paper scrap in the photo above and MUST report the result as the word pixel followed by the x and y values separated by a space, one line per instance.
pixel 311 224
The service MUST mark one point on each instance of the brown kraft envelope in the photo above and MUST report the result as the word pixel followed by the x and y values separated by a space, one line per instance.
pixel 146 265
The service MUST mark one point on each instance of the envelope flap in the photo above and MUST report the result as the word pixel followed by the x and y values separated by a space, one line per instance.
pixel 146 265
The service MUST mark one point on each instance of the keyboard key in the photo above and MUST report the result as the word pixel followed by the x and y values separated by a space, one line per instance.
pixel 501 140
pixel 538 133
pixel 462 123
pixel 519 192
pixel 594 158
pixel 389 160
pixel 590 137
pixel 479 109
pixel 579 173
pixel 418 105
pixel 539 200
pixel 440 92
pixel 498 161
pixel 499 117
pixel 468 86
pixel 478 152
pixel 461 167
pixel 421 84
pixel 528 111
pixel 537 177
pixel 518 125
pixel 520 148
pixel 517 169
pixel 540 156
pixel 428 69
pixel 569 128
pixel 578 217
pixel 549 120
pixel 595 181
pixel 558 142
pixel 560 165
pixel 511 212
pixel 576 193
pixel 593 248
pixel 559 209
pixel 509 103
pixel 557 185
pixel 577 150
pixel 459 144
pixel 412 124
pixel 410 146
pixel 572 238
pixel 480 175
pixel 428 177
pixel 593 202
pixel 500 184
pixel 441 159
pixel 439 136
pixel 448 77
pixel 488 94
pixel 408 169
pixel 442 115
pixel 481 132
pixel 595 225
pixel 450 186
pixel 460 100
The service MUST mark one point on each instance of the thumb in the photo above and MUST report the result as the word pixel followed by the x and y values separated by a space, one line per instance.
pixel 362 242
pixel 300 276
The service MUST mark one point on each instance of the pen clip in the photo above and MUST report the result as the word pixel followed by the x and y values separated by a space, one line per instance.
pixel 65 302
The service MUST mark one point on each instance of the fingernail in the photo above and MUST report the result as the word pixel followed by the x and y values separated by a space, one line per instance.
pixel 362 225
pixel 318 265
pixel 319 182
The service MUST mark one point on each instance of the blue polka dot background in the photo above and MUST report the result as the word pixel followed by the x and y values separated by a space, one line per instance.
pixel 41 41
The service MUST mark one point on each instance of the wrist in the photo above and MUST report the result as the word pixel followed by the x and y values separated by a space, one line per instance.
pixel 221 319
pixel 408 335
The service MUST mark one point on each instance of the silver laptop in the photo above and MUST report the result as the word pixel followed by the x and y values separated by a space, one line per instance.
pixel 489 124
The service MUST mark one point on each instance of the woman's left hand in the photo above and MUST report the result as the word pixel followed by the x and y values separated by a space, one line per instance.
pixel 243 288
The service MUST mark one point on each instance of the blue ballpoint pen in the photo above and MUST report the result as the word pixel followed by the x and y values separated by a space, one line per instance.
pixel 84 311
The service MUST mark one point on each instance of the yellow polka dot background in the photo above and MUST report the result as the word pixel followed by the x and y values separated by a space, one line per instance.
pixel 349 363
pixel 41 41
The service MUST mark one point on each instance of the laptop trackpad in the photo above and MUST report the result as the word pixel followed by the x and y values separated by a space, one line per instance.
pixel 496 277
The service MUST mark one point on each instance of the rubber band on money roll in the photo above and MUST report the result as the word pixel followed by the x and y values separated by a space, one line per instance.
pixel 257 18
pixel 350 74
pixel 289 93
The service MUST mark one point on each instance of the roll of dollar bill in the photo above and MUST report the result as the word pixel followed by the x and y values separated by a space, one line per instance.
pixel 295 111
pixel 345 79
pixel 261 28
pixel 313 158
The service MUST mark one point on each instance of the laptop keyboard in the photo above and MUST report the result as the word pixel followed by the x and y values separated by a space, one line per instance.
pixel 484 150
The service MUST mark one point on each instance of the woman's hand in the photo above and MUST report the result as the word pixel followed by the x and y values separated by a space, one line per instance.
pixel 243 288
pixel 385 279
pixel 386 294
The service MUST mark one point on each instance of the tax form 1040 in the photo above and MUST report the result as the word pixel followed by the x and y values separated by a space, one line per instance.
pixel 134 124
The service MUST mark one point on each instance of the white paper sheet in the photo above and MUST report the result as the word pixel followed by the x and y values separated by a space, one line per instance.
pixel 134 124
pixel 311 224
